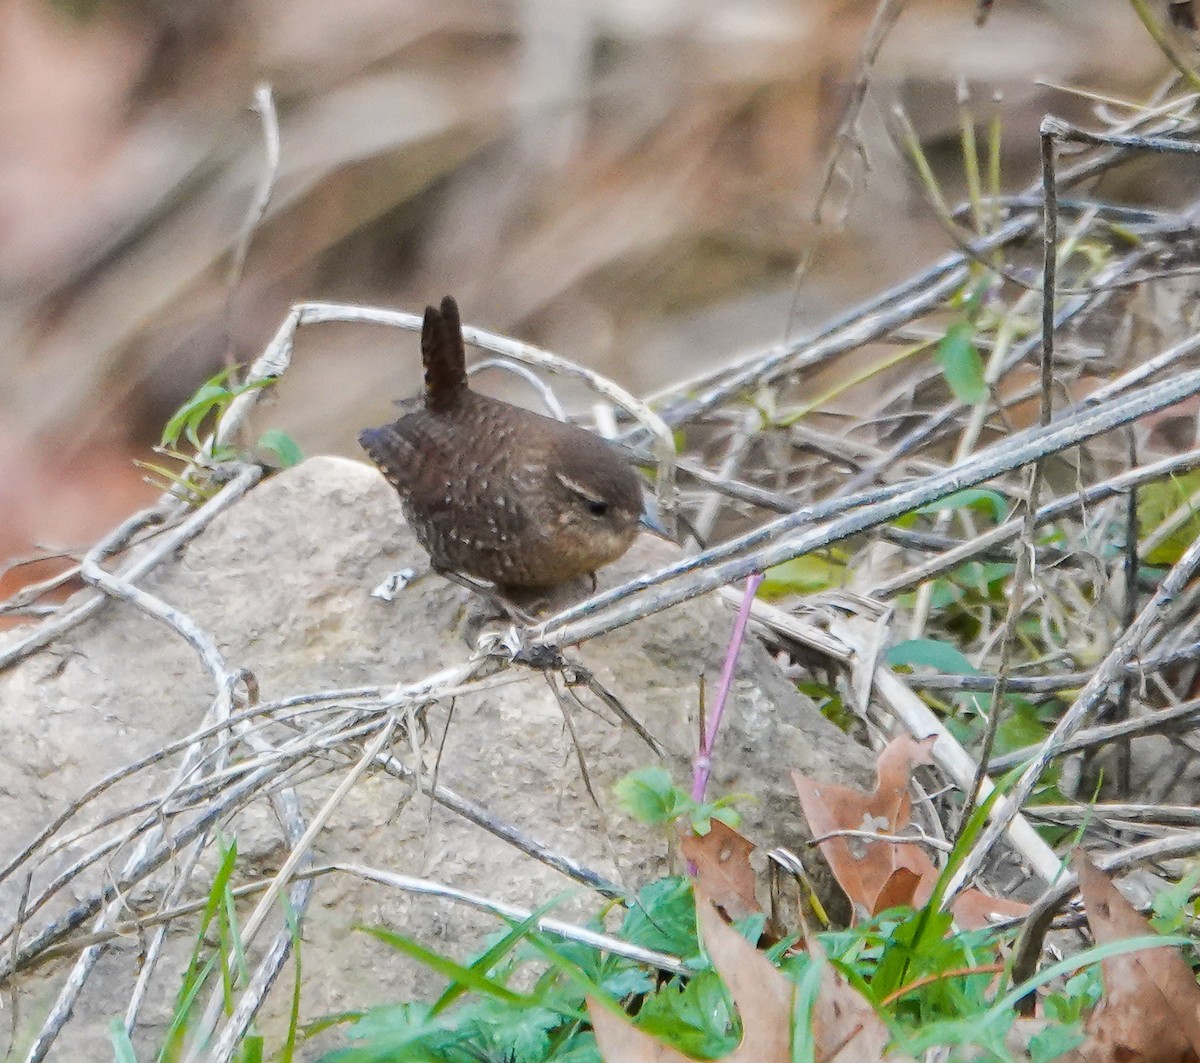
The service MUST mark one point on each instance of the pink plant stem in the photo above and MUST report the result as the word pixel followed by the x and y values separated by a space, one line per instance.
pixel 702 765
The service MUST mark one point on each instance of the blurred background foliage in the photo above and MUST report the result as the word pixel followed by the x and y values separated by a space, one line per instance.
pixel 630 183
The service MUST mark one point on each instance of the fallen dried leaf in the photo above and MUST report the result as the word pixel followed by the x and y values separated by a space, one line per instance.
pixel 845 1027
pixel 973 909
pixel 1151 1007
pixel 722 861
pixel 880 874
pixel 900 888
pixel 620 1041
pixel 761 994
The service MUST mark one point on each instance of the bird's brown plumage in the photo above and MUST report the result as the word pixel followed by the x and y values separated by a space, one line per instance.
pixel 495 491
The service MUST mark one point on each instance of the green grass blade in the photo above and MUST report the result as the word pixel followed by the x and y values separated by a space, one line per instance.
pixel 449 969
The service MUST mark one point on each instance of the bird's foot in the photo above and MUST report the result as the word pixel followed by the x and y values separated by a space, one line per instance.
pixel 502 608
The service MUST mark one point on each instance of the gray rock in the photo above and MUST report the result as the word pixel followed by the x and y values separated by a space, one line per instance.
pixel 282 583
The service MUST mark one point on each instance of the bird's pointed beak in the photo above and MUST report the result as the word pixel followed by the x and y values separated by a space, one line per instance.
pixel 649 518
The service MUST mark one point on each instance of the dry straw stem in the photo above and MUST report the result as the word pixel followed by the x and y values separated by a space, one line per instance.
pixel 262 775
pixel 1096 691
pixel 407 883
pixel 1052 684
pixel 1120 815
pixel 844 642
pixel 952 758
pixel 917 837
pixel 250 777
pixel 152 838
pixel 1084 706
pixel 1099 420
pixel 1025 570
pixel 1178 718
pixel 1098 492
pixel 150 557
pixel 781 540
pixel 848 138
pixel 476 813
pixel 285 800
pixel 927 291
pixel 264 106
pixel 234 1029
pixel 194 739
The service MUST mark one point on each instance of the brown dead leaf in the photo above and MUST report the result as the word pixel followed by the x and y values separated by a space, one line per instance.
pixel 973 909
pixel 761 994
pixel 845 1027
pixel 723 872
pixel 900 888
pixel 893 772
pixel 862 866
pixel 877 875
pixel 620 1041
pixel 1151 1007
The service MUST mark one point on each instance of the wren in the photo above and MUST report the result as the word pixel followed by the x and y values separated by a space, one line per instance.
pixel 497 492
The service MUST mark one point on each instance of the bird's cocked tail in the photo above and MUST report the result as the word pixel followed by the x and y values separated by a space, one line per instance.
pixel 444 356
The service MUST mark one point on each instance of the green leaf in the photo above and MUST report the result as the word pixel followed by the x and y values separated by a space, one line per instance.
pixel 1054 1042
pixel 945 593
pixel 202 404
pixel 584 982
pixel 701 814
pixel 524 1034
pixel 979 498
pixel 696 1016
pixel 663 918
pixel 1019 727
pixel 283 446
pixel 179 419
pixel 1173 905
pixel 199 968
pixel 288 1052
pixel 961 365
pixel 649 795
pixel 212 394
pixel 980 576
pixel 391 1033
pixel 802 575
pixel 252 1048
pixel 808 989
pixel 1095 954
pixel 122 1046
pixel 388 1020
pixel 1156 502
pixel 914 950
pixel 1080 993
pixel 731 817
pixel 931 653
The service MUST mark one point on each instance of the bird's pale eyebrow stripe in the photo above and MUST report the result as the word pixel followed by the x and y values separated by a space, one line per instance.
pixel 571 485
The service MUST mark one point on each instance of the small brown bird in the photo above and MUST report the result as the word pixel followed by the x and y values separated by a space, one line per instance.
pixel 498 492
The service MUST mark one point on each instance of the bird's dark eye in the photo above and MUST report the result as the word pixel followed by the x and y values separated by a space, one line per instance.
pixel 597 507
